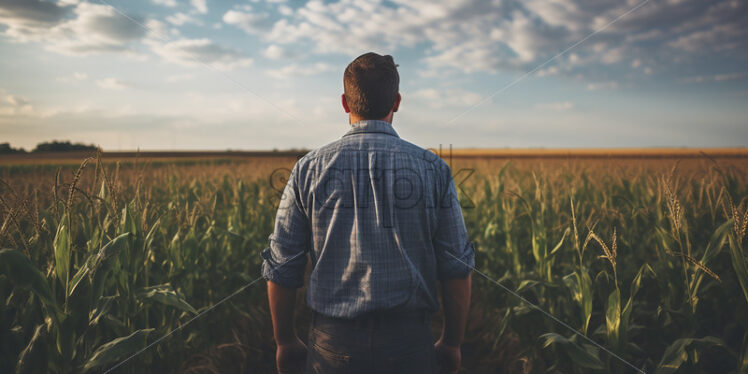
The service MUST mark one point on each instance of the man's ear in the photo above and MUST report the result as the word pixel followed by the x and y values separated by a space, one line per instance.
pixel 397 103
pixel 345 103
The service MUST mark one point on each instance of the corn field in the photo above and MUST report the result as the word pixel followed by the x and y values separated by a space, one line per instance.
pixel 101 260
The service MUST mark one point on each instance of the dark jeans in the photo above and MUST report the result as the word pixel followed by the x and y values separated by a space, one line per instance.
pixel 390 344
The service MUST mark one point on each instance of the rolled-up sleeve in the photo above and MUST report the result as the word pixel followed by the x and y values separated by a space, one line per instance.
pixel 455 256
pixel 285 259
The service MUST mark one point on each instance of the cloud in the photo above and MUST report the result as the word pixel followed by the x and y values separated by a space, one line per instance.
pixel 557 106
pixel 252 23
pixel 730 77
pixel 295 70
pixel 13 105
pixel 179 78
pixel 32 11
pixel 27 19
pixel 75 77
pixel 196 52
pixel 166 3
pixel 715 78
pixel 17 101
pixel 180 19
pixel 274 52
pixel 441 98
pixel 285 10
pixel 716 38
pixel 473 36
pixel 595 86
pixel 201 6
pixel 88 28
pixel 96 28
pixel 465 36
pixel 469 35
pixel 111 84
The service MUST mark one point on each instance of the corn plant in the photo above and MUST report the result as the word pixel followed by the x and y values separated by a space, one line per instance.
pixel 646 260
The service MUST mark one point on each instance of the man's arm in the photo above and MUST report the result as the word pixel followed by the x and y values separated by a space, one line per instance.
pixel 282 301
pixel 285 259
pixel 290 354
pixel 456 302
pixel 283 266
pixel 455 259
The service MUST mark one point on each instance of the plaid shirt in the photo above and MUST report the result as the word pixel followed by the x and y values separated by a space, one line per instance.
pixel 377 216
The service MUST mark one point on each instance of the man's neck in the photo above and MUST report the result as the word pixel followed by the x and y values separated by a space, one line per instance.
pixel 352 118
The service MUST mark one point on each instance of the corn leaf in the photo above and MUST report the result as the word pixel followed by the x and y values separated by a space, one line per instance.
pixel 33 359
pixel 739 264
pixel 580 286
pixel 66 337
pixel 579 355
pixel 613 317
pixel 128 222
pixel 117 349
pixel 635 286
pixel 62 253
pixel 165 294
pixel 102 307
pixel 743 362
pixel 78 277
pixel 112 248
pixel 676 354
pixel 104 261
pixel 19 270
pixel 561 242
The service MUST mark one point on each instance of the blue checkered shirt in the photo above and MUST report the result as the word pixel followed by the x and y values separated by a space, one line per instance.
pixel 378 217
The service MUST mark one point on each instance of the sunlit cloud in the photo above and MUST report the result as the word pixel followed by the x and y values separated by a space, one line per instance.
pixel 201 52
pixel 111 84
pixel 295 70
pixel 452 56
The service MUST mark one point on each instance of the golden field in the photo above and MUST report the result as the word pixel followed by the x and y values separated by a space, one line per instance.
pixel 639 250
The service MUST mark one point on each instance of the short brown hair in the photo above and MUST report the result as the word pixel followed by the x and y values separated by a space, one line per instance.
pixel 371 84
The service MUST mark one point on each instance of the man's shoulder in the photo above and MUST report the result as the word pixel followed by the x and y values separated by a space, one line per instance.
pixel 394 145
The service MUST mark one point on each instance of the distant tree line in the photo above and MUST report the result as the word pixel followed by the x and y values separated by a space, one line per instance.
pixel 5 148
pixel 53 146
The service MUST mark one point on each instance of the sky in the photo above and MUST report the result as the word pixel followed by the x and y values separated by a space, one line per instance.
pixel 245 75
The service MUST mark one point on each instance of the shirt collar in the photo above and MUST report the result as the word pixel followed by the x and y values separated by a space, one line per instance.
pixel 372 126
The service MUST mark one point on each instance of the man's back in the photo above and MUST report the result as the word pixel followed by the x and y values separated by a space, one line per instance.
pixel 380 220
pixel 380 213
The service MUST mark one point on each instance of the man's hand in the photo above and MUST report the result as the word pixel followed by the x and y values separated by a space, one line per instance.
pixel 447 357
pixel 456 300
pixel 291 357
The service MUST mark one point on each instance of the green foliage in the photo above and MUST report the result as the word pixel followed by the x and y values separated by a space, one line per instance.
pixel 23 275
pixel 130 252
pixel 683 350
pixel 33 358
pixel 166 295
pixel 63 146
pixel 114 261
pixel 582 355
pixel 648 294
pixel 117 350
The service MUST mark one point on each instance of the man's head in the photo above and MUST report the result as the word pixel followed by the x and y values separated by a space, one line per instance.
pixel 371 86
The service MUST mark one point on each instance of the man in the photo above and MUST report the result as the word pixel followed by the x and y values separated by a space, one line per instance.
pixel 380 220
